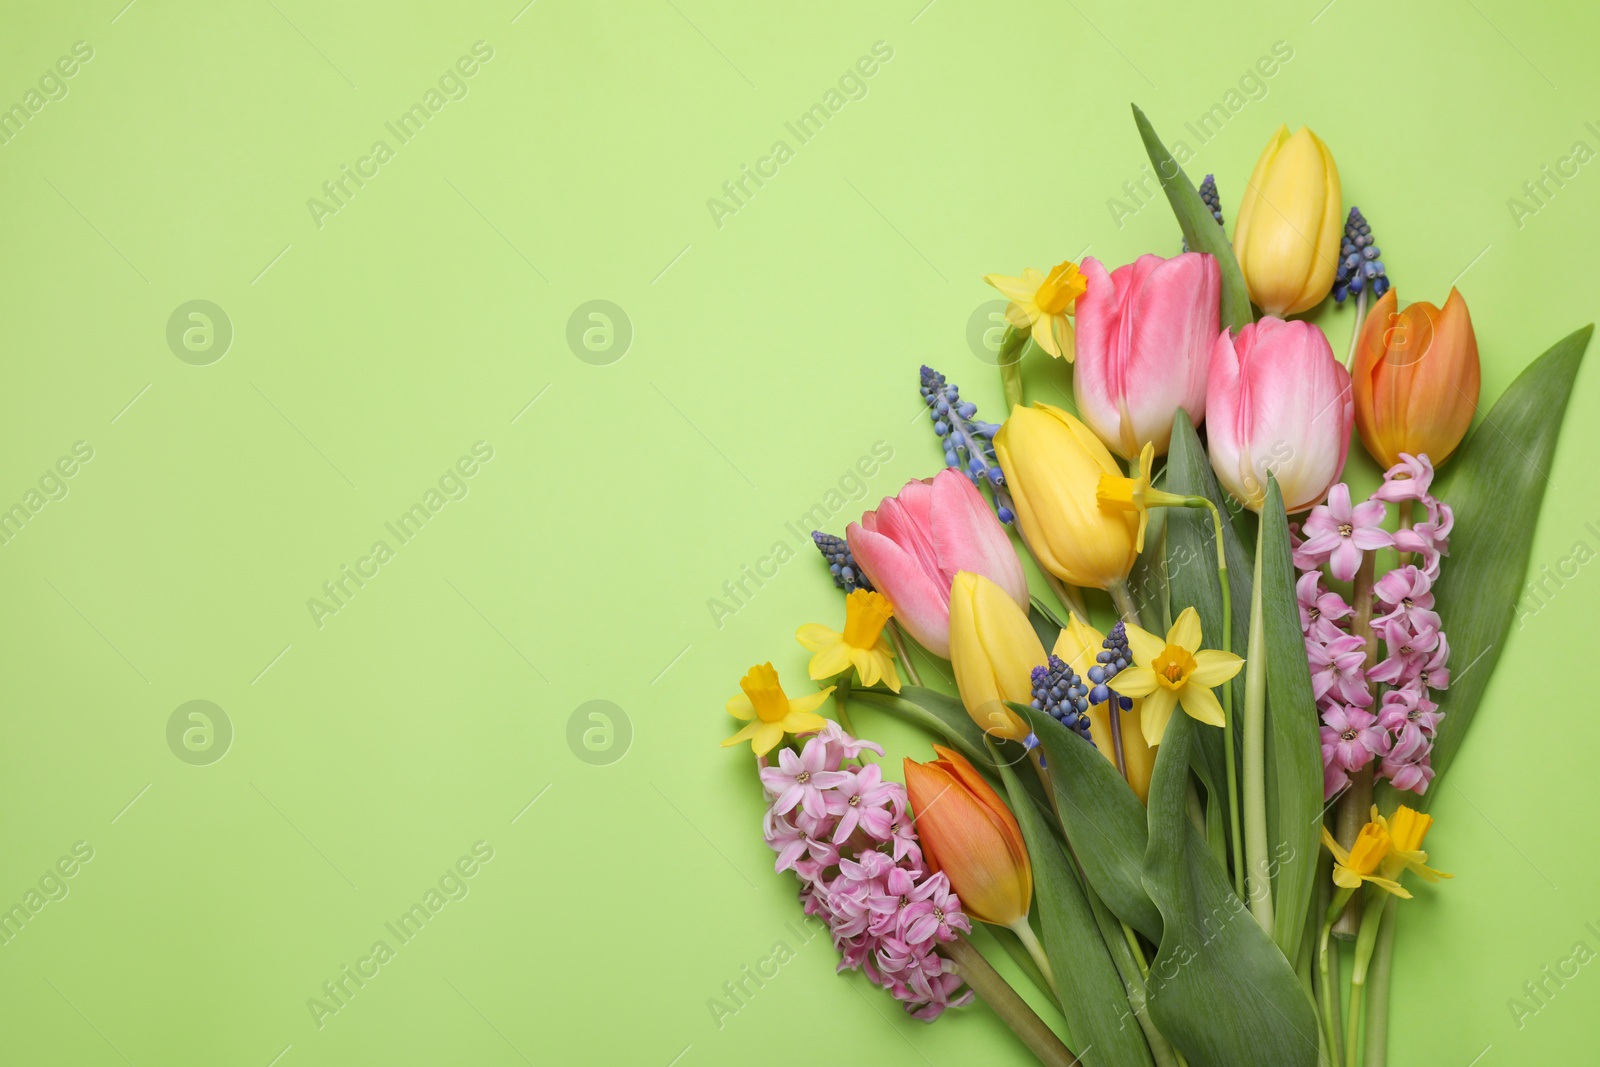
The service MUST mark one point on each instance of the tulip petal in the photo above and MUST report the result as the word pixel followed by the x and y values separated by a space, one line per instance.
pixel 921 604
pixel 968 537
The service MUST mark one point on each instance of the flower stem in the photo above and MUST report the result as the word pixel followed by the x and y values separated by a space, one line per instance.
pixel 1258 882
pixel 1070 598
pixel 1010 360
pixel 1355 330
pixel 841 697
pixel 903 650
pixel 1377 1047
pixel 1330 1001
pixel 1228 725
pixel 1356 803
pixel 1011 1008
pixel 1371 918
pixel 1030 942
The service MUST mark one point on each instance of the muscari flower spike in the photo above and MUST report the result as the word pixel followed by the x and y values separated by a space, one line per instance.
pixel 1109 662
pixel 1061 694
pixel 968 441
pixel 1208 193
pixel 1359 265
pixel 841 564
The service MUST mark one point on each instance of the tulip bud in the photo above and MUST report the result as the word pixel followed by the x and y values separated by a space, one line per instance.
pixel 1278 403
pixel 967 832
pixel 1286 236
pixel 1415 379
pixel 912 545
pixel 994 649
pixel 1145 332
pixel 1053 463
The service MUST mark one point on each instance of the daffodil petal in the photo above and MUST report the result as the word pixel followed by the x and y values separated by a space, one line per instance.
pixel 1339 854
pixel 1212 667
pixel 830 661
pixel 809 703
pixel 1201 703
pixel 1135 681
pixel 801 722
pixel 1185 632
pixel 743 735
pixel 1061 332
pixel 768 735
pixel 739 707
pixel 1144 645
pixel 1155 714
pixel 814 637
pixel 1016 289
pixel 1018 315
pixel 1044 337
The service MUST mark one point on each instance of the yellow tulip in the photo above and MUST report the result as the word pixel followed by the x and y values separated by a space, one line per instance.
pixel 1287 232
pixel 1053 464
pixel 1077 646
pixel 994 649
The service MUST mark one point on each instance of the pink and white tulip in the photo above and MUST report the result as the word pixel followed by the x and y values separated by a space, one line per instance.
pixel 913 544
pixel 1145 332
pixel 1278 403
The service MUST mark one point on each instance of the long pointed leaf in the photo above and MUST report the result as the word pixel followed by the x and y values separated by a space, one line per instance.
pixel 1292 733
pixel 1495 487
pixel 1093 1000
pixel 1220 990
pixel 1199 226
pixel 1103 818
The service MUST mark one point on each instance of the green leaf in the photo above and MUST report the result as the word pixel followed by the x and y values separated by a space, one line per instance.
pixel 1495 486
pixel 1293 738
pixel 1199 226
pixel 1094 1002
pixel 1103 819
pixel 935 712
pixel 1219 989
pixel 1192 576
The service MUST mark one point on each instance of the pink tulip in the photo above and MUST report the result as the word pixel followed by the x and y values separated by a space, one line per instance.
pixel 1145 333
pixel 912 546
pixel 1280 403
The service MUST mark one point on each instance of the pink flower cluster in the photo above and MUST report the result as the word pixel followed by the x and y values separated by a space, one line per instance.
pixel 847 834
pixel 1399 732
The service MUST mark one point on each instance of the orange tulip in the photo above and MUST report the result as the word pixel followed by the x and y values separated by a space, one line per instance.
pixel 1415 379
pixel 968 833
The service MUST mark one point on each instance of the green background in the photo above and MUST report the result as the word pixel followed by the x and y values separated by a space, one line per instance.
pixel 768 354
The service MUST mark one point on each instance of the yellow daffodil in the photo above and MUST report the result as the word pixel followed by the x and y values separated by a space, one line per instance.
pixel 769 712
pixel 1365 860
pixel 1077 646
pixel 1173 672
pixel 862 644
pixel 1136 494
pixel 1406 829
pixel 1042 303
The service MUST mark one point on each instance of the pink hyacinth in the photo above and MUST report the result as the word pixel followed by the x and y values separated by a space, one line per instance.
pixel 854 849
pixel 1338 533
pixel 1399 733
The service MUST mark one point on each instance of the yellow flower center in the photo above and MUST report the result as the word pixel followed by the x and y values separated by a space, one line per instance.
pixel 865 615
pixel 1173 666
pixel 1061 287
pixel 766 695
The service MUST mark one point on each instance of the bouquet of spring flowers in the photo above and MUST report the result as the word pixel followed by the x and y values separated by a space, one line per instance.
pixel 1182 819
